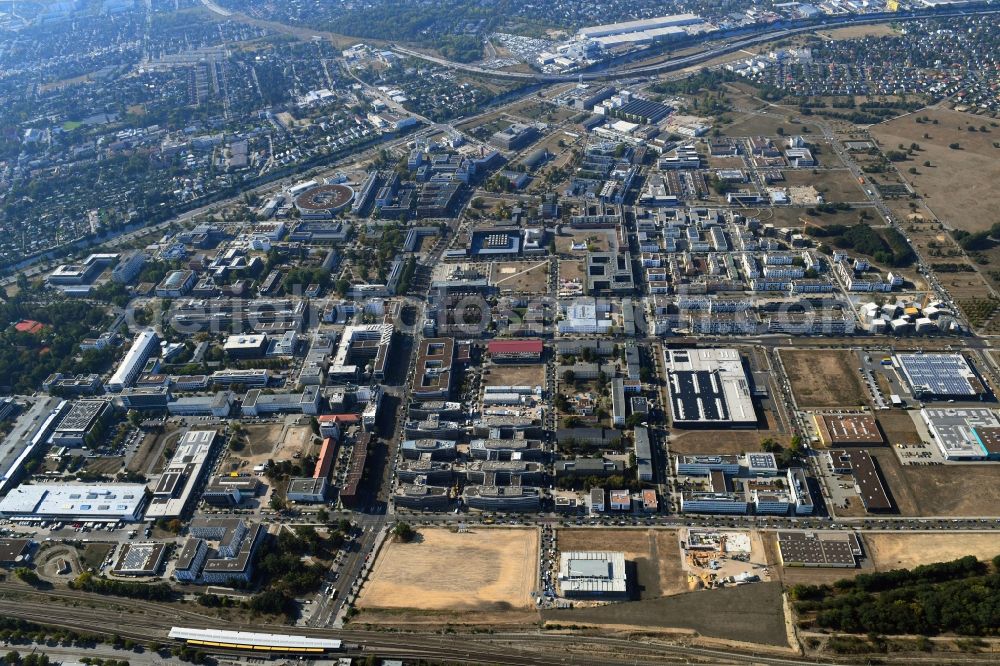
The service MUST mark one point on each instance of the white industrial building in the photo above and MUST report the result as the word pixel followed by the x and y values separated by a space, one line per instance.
pixel 592 574
pixel 130 367
pixel 99 502
pixel 639 26
pixel 708 388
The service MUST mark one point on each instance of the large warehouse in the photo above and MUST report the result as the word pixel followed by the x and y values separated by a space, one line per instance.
pixel 819 549
pixel 99 502
pixel 640 26
pixel 708 388
pixel 848 430
pixel 940 376
pixel 964 434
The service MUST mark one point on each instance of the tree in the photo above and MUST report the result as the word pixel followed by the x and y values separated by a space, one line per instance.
pixel 403 532
pixel 569 376
pixel 27 575
pixel 635 419
pixel 322 515
pixel 276 503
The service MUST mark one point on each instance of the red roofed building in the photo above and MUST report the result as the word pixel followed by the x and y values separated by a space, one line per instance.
pixel 330 425
pixel 29 326
pixel 515 351
pixel 327 454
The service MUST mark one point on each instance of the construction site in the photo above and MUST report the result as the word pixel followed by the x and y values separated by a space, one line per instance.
pixel 714 559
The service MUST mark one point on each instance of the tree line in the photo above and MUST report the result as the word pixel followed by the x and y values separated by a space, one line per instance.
pixel 961 596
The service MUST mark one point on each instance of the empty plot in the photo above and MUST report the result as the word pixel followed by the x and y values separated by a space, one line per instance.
pixel 522 277
pixel 903 551
pixel 750 613
pixel 823 378
pixel 706 442
pixel 515 375
pixel 833 184
pixel 949 490
pixel 480 570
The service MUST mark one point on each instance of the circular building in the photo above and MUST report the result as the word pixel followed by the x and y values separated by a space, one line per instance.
pixel 324 201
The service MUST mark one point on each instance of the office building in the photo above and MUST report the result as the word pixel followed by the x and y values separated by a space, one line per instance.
pixel 82 422
pixel 131 365
pixel 174 492
pixel 307 489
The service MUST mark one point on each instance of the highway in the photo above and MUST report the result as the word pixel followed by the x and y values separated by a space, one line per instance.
pixel 767 34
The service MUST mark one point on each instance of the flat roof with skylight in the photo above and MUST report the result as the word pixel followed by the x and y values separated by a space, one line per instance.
pixel 708 387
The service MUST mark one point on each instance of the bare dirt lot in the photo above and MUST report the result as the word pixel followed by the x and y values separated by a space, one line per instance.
pixel 824 378
pixel 521 277
pixel 942 490
pixel 902 551
pixel 656 554
pixel 516 375
pixel 751 613
pixel 272 441
pixel 480 570
pixel 954 184
pixel 573 269
pixel 898 427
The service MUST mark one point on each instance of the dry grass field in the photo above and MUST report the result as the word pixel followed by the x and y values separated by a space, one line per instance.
pixel 856 31
pixel 824 378
pixel 521 277
pixel 480 570
pixel 765 123
pixel 835 185
pixel 656 554
pixel 953 490
pixel 903 551
pixel 791 216
pixel 705 442
pixel 954 184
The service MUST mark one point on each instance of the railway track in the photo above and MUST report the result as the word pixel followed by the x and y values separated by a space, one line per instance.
pixel 150 621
